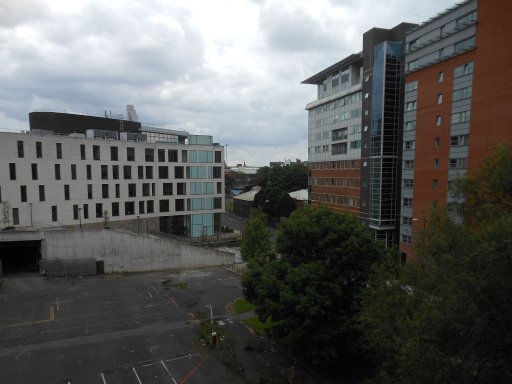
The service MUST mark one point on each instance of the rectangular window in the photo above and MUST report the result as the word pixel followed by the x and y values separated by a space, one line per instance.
pixel 408 164
pixel 12 171
pixel 439 98
pixel 129 208
pixel 57 171
pixel 23 193
pixel 167 189
pixel 66 192
pixel 217 203
pixel 412 65
pixel 39 150
pixel 75 211
pixel 440 77
pixel 178 172
pixel 130 154
pixel 115 209
pixel 339 134
pixel 217 172
pixel 150 204
pixel 127 172
pixel 407 202
pixel 141 207
pixel 437 142
pixel 104 191
pixel 339 149
pixel 435 184
pixel 115 172
pixel 145 189
pixel 89 191
pixel 406 220
pixel 21 149
pixel 219 187
pixel 149 172
pixel 461 117
pixel 34 171
pixel 184 157
pixel 149 154
pixel 410 125
pixel 179 205
pixel 181 188
pixel 82 152
pixel 464 69
pixel 161 155
pixel 104 172
pixel 114 155
pixel 163 172
pixel 58 148
pixel 439 121
pixel 172 155
pixel 73 171
pixel 99 210
pixel 86 211
pixel 463 93
pixel 140 172
pixel 408 183
pixel 459 140
pixel 89 171
pixel 15 216
pixel 436 163
pixel 465 45
pixel 96 152
pixel 406 239
pixel 132 190
pixel 218 156
pixel 411 106
pixel 467 19
pixel 153 189
pixel 409 144
pixel 54 213
pixel 460 163
pixel 118 191
pixel 164 205
pixel 41 193
pixel 411 86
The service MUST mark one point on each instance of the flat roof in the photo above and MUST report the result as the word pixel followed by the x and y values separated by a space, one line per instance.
pixel 320 76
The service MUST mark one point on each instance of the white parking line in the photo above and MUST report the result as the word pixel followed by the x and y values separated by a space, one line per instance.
pixel 169 373
pixel 138 378
pixel 149 294
pixel 103 378
pixel 154 289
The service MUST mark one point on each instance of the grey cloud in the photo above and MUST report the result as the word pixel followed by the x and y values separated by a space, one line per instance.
pixel 295 31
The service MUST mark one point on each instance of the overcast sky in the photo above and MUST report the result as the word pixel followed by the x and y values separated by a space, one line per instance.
pixel 227 68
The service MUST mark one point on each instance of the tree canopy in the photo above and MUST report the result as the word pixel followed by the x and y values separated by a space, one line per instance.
pixel 447 318
pixel 276 183
pixel 311 291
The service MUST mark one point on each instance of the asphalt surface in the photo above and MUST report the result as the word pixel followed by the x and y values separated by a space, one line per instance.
pixel 132 328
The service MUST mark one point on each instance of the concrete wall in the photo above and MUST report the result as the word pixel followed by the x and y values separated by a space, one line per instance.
pixel 124 252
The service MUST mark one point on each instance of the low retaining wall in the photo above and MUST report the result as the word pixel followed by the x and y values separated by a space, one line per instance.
pixel 125 252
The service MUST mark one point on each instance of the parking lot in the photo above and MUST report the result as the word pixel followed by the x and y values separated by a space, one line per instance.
pixel 134 328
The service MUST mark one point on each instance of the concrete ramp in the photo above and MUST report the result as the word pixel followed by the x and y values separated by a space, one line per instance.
pixel 126 252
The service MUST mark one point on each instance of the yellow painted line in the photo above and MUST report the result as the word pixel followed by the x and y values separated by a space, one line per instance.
pixel 23 323
pixel 52 313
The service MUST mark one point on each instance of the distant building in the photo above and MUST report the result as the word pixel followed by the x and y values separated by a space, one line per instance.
pixel 458 93
pixel 243 204
pixel 273 164
pixel 70 169
pixel 392 126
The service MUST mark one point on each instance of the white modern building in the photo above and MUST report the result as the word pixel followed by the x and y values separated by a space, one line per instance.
pixel 143 179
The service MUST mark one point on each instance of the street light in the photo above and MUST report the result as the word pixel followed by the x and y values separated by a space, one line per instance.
pixel 212 338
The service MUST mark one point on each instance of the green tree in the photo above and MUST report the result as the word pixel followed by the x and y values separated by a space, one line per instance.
pixel 256 242
pixel 311 292
pixel 446 318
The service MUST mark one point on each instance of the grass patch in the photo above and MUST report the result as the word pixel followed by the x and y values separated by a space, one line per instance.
pixel 241 305
pixel 180 285
pixel 258 325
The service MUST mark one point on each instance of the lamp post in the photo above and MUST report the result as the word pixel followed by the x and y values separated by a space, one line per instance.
pixel 31 221
pixel 80 216
pixel 212 336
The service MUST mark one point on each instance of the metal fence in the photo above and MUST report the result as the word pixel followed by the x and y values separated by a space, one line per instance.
pixel 67 267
